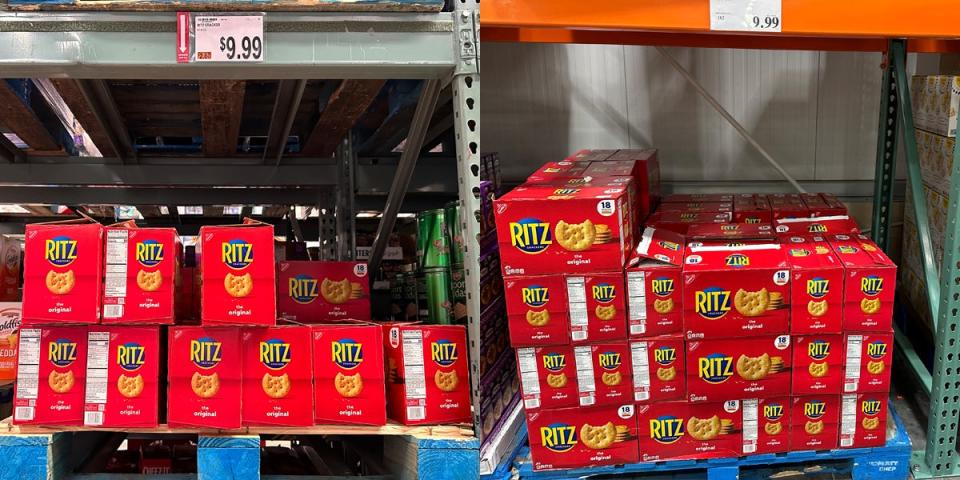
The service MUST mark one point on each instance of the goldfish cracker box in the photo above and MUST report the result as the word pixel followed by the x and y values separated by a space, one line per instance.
pixel 549 230
pixel 869 286
pixel 537 310
pixel 277 376
pixel 653 281
pixel 62 272
pixel 658 369
pixel 687 431
pixel 816 284
pixel 766 425
pixel 123 368
pixel 548 377
pixel 818 364
pixel 604 375
pixel 815 422
pixel 204 377
pixel 738 368
pixel 348 369
pixel 582 437
pixel 597 307
pixel 427 367
pixel 9 339
pixel 863 420
pixel 238 276
pixel 51 369
pixel 739 290
pixel 869 359
pixel 9 269
pixel 142 270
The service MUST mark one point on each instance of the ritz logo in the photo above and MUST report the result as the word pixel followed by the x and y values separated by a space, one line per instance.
pixel 817 228
pixel 60 251
pixel 149 253
pixel 737 260
pixel 554 362
pixel 347 353
pixel 661 286
pixel 565 191
pixel 236 254
pixel 818 349
pixel 753 220
pixel 274 353
pixel 604 292
pixel 609 360
pixel 870 407
pixel 130 356
pixel 666 429
pixel 871 285
pixel 730 227
pixel 63 352
pixel 303 289
pixel 773 412
pixel 876 350
pixel 205 352
pixel 535 296
pixel 715 368
pixel 673 247
pixel 688 216
pixel 818 287
pixel 443 352
pixel 530 235
pixel 814 409
pixel 712 302
pixel 558 437
pixel 665 355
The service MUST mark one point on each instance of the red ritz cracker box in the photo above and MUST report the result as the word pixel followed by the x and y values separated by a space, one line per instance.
pixel 582 437
pixel 597 308
pixel 277 376
pixel 731 231
pixel 823 204
pixel 869 358
pixel 697 197
pixel 658 369
pixel 838 224
pixel 735 290
pixel 654 299
pixel 324 291
pixel 687 431
pixel 123 367
pixel 604 374
pixel 238 275
pixel 717 207
pixel 51 371
pixel 863 420
pixel 543 229
pixel 818 363
pixel 815 422
pixel 643 166
pixel 427 369
pixel 752 208
pixel 552 171
pixel 766 425
pixel 787 205
pixel 349 371
pixel 816 284
pixel 680 222
pixel 62 272
pixel 753 367
pixel 142 271
pixel 205 370
pixel 548 377
pixel 537 310
pixel 298 291
pixel 870 284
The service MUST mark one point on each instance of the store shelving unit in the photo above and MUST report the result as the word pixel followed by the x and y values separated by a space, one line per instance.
pixel 881 26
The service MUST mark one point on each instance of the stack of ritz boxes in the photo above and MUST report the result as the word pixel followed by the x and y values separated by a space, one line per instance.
pixel 78 367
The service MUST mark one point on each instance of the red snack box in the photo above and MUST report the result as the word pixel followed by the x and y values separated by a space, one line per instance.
pixel 815 422
pixel 658 369
pixel 766 425
pixel 604 376
pixel 735 290
pixel 564 438
pixel 597 308
pixel 680 222
pixel 823 204
pixel 643 166
pixel 816 288
pixel 51 373
pixel 544 229
pixel 787 205
pixel 869 358
pixel 552 171
pixel 349 370
pixel 697 197
pixel 537 310
pixel 277 376
pixel 863 420
pixel 123 368
pixel 205 370
pixel 298 291
pixel 731 231
pixel 870 284
pixel 753 367
pixel 686 431
pixel 716 207
pixel 654 299
pixel 548 377
pixel 838 224
pixel 818 363
pixel 345 291
pixel 752 208
pixel 238 285
pixel 62 272
pixel 433 357
pixel 141 274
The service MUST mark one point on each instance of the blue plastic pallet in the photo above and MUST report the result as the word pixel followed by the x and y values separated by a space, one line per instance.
pixel 890 462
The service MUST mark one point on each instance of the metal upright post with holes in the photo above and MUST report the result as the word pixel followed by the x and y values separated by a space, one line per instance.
pixel 346 213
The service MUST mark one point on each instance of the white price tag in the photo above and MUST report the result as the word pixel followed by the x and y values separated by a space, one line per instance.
pixel 746 15
pixel 228 38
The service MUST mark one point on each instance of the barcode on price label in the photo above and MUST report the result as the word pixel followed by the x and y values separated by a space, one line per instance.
pixel 746 15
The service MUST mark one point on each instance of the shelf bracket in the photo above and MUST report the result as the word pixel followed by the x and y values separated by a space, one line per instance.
pixel 346 215
pixel 886 154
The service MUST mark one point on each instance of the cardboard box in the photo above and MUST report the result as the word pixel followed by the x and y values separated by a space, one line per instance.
pixel 643 166
pixel 816 286
pixel 823 204
pixel 937 104
pixel 9 269
pixel 313 292
pixel 873 352
pixel 433 357
pixel 681 222
pixel 10 319
pixel 752 209
pixel 863 420
pixel 697 197
pixel 870 284
pixel 820 226
pixel 787 205
pixel 687 431
pixel 278 376
pixel 731 291
pixel 751 367
pixel 142 270
pixel 62 272
pixel 818 363
pixel 348 369
pixel 553 171
pixel 51 373
pixel 123 372
pixel 238 285
pixel 205 368
pixel 659 370
pixel 716 207
pixel 731 231
pixel 566 438
pixel 537 310
pixel 298 291
pixel 815 422
pixel 548 377
pixel 654 299
pixel 604 374
pixel 597 307
pixel 766 425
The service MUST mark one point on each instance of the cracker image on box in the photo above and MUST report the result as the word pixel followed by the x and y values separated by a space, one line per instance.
pixel 61 382
pixel 205 386
pixel 446 381
pixel 538 318
pixel 348 385
pixel 60 283
pixel 130 386
pixel 773 428
pixel 275 386
pixel 238 285
pixel 575 237
pixel 335 292
pixel 149 281
pixel 599 437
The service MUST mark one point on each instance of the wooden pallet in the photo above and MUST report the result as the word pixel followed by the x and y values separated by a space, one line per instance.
pixel 232 5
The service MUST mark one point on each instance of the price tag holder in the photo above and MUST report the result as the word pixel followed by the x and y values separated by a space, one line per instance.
pixel 228 38
pixel 746 15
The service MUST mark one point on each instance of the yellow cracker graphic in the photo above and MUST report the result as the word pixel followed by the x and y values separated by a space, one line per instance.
pixel 818 369
pixel 598 437
pixel 275 386
pixel 61 382
pixel 751 304
pixel 557 380
pixel 773 428
pixel 753 368
pixel 704 428
pixel 870 306
pixel 663 306
pixel 575 237
pixel 130 386
pixel 818 308
pixel 813 428
pixel 611 379
pixel 446 381
pixel 348 385
pixel 875 367
pixel 335 292
pixel 870 423
pixel 666 374
pixel 238 286
pixel 538 318
pixel 205 386
pixel 149 281
pixel 821 250
pixel 60 283
pixel 606 312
